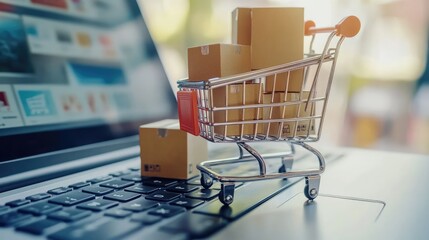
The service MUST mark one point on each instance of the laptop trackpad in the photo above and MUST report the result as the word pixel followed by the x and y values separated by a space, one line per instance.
pixel 327 217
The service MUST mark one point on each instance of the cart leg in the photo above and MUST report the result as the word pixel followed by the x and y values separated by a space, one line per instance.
pixel 226 195
pixel 206 181
pixel 312 184
pixel 258 157
pixel 292 148
pixel 287 163
pixel 287 160
pixel 241 152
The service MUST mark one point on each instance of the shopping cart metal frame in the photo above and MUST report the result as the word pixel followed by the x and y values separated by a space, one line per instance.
pixel 203 91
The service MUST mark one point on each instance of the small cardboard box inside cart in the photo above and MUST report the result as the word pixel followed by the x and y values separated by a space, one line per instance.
pixel 232 95
pixel 168 152
pixel 298 110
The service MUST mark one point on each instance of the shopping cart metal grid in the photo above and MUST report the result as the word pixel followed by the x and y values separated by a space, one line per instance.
pixel 280 115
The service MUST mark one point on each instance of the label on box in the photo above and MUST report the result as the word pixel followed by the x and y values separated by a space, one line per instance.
pixel 282 113
pixel 205 50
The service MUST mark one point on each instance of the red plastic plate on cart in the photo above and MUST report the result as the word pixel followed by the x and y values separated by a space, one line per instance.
pixel 188 112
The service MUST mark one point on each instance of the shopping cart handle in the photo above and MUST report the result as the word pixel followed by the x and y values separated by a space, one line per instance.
pixel 348 27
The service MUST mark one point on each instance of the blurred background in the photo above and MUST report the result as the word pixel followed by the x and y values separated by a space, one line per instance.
pixel 380 95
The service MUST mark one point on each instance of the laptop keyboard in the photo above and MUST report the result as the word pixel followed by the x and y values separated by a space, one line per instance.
pixel 123 202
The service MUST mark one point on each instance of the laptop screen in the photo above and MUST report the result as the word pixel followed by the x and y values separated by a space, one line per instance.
pixel 76 72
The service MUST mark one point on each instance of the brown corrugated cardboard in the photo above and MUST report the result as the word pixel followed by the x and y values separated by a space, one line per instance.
pixel 235 98
pixel 241 26
pixel 217 60
pixel 168 152
pixel 277 37
pixel 290 111
pixel 295 82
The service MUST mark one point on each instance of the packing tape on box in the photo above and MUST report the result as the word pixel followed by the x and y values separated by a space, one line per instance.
pixel 162 133
pixel 205 50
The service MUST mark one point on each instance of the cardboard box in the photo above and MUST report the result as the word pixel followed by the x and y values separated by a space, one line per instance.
pixel 241 26
pixel 217 60
pixel 296 79
pixel 253 92
pixel 290 111
pixel 277 37
pixel 168 152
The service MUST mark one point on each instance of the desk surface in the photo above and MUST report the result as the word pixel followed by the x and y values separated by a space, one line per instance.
pixel 371 195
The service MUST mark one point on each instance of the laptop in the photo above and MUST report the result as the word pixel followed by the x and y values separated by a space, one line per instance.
pixel 77 79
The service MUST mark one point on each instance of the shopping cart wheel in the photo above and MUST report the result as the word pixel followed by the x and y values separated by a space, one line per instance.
pixel 308 194
pixel 206 181
pixel 226 194
pixel 311 190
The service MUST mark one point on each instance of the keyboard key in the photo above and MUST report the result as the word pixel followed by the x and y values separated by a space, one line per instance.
pixel 72 198
pixel 99 179
pixel 60 190
pixel 4 209
pixel 140 204
pixel 98 205
pixel 245 198
pixel 38 197
pixel 166 211
pixel 120 173
pixel 187 202
pixel 102 228
pixel 195 225
pixel 159 182
pixel 39 227
pixel 133 178
pixel 163 196
pixel 194 181
pixel 216 185
pixel 203 194
pixel 79 185
pixel 161 235
pixel 197 181
pixel 18 203
pixel 40 208
pixel 69 215
pixel 145 218
pixel 97 190
pixel 142 189
pixel 122 196
pixel 118 213
pixel 11 218
pixel 117 184
pixel 182 188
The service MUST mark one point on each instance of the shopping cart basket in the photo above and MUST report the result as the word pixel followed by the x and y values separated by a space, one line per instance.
pixel 280 115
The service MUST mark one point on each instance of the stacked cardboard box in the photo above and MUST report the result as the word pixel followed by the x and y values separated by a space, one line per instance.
pixel 232 95
pixel 296 109
pixel 276 36
pixel 217 60
pixel 241 26
pixel 261 38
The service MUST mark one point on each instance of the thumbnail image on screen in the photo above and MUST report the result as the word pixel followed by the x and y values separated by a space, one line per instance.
pixel 14 52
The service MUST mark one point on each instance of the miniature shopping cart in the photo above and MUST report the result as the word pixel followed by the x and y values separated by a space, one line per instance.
pixel 280 115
